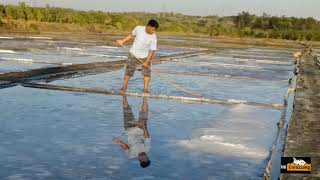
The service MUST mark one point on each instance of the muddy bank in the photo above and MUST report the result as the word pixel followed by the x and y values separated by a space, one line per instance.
pixel 304 129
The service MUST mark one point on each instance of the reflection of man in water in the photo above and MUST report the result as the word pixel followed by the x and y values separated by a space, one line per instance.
pixel 138 136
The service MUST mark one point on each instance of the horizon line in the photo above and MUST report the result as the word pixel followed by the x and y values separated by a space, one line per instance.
pixel 168 12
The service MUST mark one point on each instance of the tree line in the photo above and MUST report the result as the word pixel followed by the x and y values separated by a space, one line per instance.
pixel 242 25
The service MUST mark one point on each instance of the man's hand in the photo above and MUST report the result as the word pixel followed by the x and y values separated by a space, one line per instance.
pixel 148 60
pixel 146 64
pixel 120 143
pixel 116 141
pixel 124 40
pixel 120 42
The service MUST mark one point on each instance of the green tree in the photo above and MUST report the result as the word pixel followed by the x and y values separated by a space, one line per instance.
pixel 244 24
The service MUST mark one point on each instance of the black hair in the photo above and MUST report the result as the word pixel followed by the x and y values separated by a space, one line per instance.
pixel 153 23
pixel 145 164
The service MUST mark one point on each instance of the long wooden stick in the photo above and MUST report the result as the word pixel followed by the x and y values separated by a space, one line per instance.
pixel 172 83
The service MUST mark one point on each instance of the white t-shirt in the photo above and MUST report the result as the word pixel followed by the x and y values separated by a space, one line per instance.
pixel 137 142
pixel 143 42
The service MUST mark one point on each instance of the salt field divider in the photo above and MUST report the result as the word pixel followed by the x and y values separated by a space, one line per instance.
pixel 47 73
pixel 31 61
pixel 272 170
pixel 154 96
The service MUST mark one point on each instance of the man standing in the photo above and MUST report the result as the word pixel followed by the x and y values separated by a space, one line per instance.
pixel 139 140
pixel 145 43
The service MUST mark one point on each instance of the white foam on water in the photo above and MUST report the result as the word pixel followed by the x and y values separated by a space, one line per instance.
pixel 210 137
pixel 17 59
pixel 7 51
pixel 224 58
pixel 39 37
pixel 235 134
pixel 6 37
pixel 72 48
pixel 108 47
pixel 97 55
pixel 237 101
pixel 198 49
pixel 226 65
pixel 102 55
pixel 66 64
pixel 25 60
pixel 218 145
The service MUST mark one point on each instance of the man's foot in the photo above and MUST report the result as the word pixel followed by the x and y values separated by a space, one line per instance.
pixel 123 90
pixel 146 91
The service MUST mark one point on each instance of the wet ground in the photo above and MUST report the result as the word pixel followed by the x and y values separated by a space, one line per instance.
pixel 49 134
pixel 304 129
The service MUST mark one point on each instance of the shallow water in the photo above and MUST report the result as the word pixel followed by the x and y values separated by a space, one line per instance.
pixel 42 52
pixel 47 134
pixel 6 67
pixel 226 66
pixel 214 87
pixel 240 87
pixel 69 135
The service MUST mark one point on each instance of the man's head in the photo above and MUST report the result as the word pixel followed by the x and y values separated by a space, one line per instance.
pixel 152 26
pixel 144 160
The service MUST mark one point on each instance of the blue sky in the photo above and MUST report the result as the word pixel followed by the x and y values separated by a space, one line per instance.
pixel 298 8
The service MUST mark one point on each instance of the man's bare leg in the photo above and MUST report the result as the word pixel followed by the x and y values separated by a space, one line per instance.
pixel 145 104
pixel 146 81
pixel 125 83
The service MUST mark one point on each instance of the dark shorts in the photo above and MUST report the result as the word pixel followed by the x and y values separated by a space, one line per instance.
pixel 132 64
pixel 129 120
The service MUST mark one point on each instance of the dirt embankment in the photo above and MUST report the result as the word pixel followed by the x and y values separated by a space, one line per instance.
pixel 303 135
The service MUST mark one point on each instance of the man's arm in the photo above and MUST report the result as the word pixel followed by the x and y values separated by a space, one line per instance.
pixel 125 39
pixel 145 106
pixel 149 57
pixel 123 145
pixel 145 132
